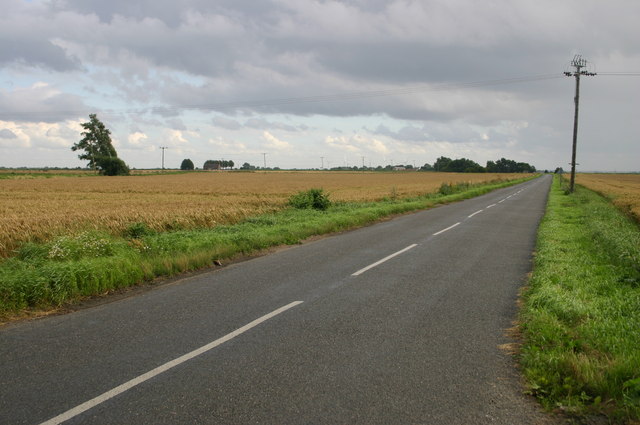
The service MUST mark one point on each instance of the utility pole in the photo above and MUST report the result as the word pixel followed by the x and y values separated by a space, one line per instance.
pixel 264 159
pixel 578 63
pixel 163 148
pixel 322 159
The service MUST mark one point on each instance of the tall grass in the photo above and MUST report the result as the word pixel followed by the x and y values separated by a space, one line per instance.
pixel 622 189
pixel 581 314
pixel 39 209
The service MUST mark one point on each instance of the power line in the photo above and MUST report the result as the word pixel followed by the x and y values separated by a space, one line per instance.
pixel 620 74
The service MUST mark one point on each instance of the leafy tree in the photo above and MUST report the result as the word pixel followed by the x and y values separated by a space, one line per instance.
pixel 441 163
pixel 509 166
pixel 211 164
pixel 463 165
pixel 247 166
pixel 426 167
pixel 187 164
pixel 215 164
pixel 523 167
pixel 98 149
pixel 113 166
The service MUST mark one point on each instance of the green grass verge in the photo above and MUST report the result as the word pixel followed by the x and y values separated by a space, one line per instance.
pixel 581 313
pixel 45 275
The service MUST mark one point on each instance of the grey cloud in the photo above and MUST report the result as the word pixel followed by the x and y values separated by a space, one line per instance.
pixel 36 53
pixel 26 39
pixel 279 50
pixel 248 59
pixel 168 11
pixel 407 133
pixel 177 124
pixel 40 103
pixel 5 133
pixel 262 124
pixel 62 132
pixel 255 123
pixel 165 111
pixel 226 123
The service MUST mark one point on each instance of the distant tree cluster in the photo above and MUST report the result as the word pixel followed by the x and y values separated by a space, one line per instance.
pixel 215 164
pixel 464 165
pixel 187 165
pixel 98 149
pixel 509 166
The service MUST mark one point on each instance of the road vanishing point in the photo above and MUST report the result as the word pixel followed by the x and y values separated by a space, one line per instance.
pixel 401 322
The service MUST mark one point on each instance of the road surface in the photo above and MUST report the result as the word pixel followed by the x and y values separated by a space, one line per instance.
pixel 396 323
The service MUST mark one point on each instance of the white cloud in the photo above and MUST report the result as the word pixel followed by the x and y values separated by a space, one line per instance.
pixel 275 143
pixel 136 138
pixel 175 137
pixel 341 143
pixel 228 146
pixel 357 143
pixel 13 136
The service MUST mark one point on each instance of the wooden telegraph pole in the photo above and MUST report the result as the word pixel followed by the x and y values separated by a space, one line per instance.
pixel 578 63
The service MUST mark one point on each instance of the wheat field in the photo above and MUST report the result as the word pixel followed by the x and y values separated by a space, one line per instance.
pixel 38 209
pixel 622 189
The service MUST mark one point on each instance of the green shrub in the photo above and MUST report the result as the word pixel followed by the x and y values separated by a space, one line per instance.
pixel 450 189
pixel 112 166
pixel 310 199
pixel 137 230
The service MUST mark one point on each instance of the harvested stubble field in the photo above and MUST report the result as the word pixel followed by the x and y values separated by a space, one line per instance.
pixel 622 189
pixel 40 209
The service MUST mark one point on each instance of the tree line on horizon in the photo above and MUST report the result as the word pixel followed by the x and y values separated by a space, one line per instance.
pixel 442 164
pixel 96 147
pixel 464 165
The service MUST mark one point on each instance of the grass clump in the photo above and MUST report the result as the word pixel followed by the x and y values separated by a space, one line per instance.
pixel 581 314
pixel 43 275
pixel 450 189
pixel 315 199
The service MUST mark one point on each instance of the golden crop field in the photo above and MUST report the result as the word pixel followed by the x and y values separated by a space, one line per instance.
pixel 38 209
pixel 622 189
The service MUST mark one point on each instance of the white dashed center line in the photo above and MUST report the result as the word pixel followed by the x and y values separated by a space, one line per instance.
pixel 163 368
pixel 444 230
pixel 387 258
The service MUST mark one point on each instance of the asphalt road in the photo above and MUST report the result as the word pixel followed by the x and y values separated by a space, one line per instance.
pixel 396 323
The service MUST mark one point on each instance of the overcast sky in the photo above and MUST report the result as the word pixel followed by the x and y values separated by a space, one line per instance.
pixel 312 83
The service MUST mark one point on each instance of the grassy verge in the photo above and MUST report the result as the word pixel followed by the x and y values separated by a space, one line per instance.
pixel 42 276
pixel 581 314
